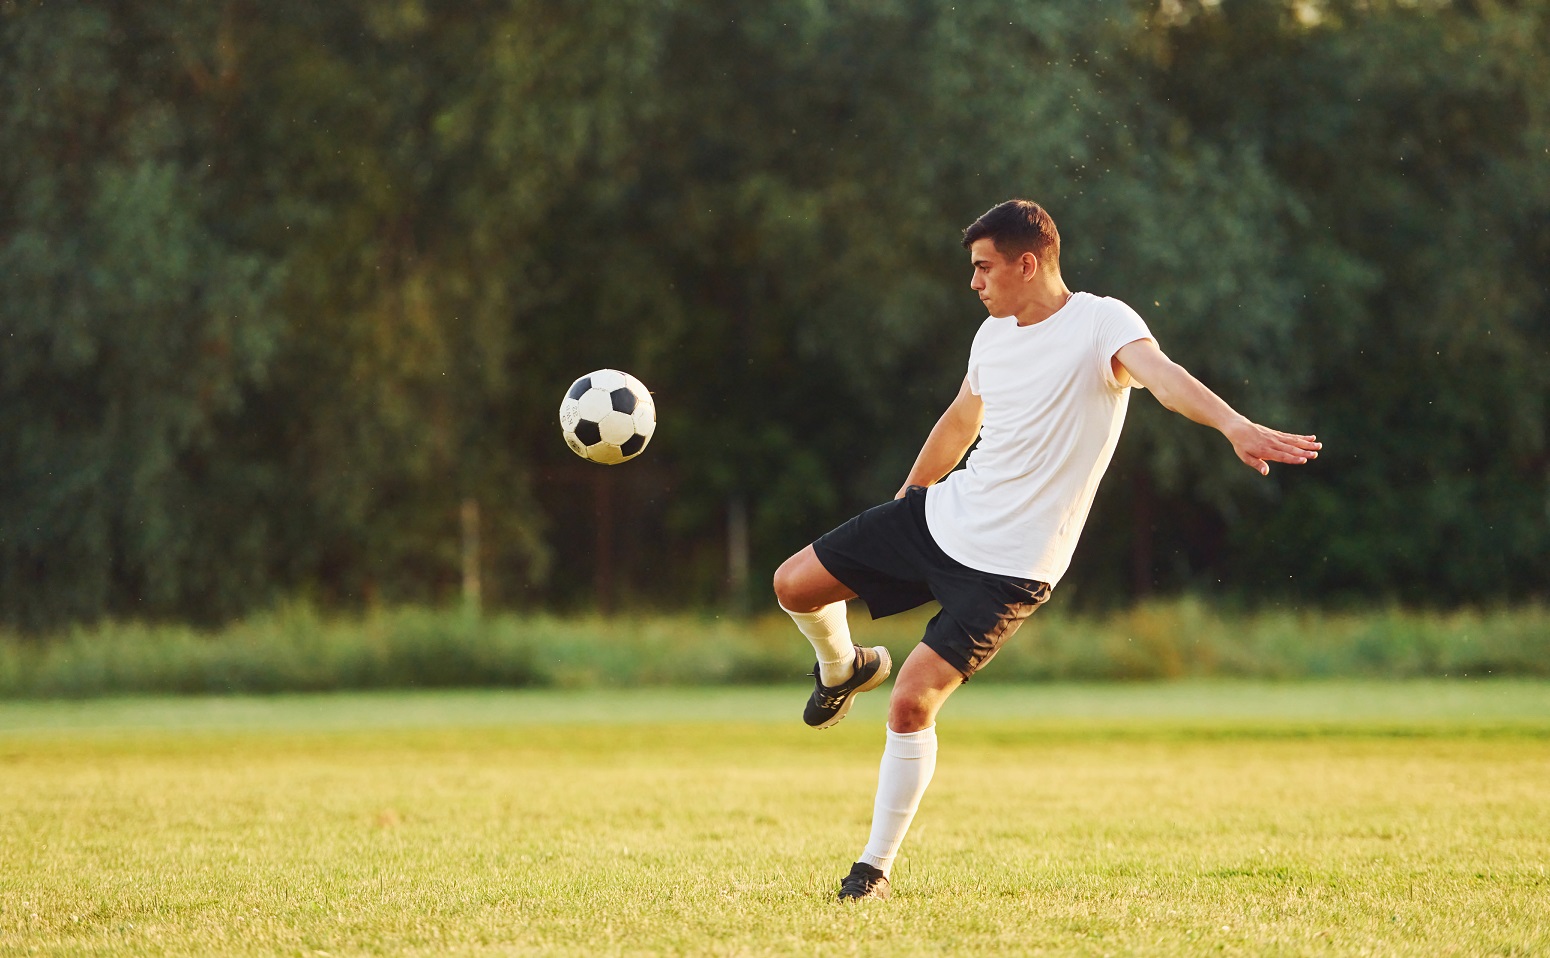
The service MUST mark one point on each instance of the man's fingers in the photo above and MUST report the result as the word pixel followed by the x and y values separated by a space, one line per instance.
pixel 1282 452
pixel 1254 462
pixel 1303 442
pixel 1272 445
pixel 1290 447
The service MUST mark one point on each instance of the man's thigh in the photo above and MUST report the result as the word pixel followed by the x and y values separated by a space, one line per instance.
pixel 803 584
pixel 979 613
pixel 883 554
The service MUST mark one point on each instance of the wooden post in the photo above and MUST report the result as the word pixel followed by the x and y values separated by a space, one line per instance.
pixel 737 554
pixel 473 588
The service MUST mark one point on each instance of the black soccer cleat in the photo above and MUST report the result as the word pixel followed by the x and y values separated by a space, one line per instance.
pixel 864 881
pixel 829 703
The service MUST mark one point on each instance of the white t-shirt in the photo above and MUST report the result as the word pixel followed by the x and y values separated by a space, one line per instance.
pixel 1053 412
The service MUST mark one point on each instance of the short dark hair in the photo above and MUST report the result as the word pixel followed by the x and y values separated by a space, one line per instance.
pixel 1017 227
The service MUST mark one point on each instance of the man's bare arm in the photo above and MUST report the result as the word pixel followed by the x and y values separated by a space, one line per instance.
pixel 950 438
pixel 1175 388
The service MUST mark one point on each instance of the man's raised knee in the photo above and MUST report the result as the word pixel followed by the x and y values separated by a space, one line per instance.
pixel 788 585
pixel 802 584
pixel 910 714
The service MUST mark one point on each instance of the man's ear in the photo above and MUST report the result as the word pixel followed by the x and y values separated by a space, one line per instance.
pixel 1029 264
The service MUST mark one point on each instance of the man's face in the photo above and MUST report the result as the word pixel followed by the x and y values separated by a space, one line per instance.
pixel 1000 282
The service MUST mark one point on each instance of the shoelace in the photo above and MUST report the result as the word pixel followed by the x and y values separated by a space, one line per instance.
pixel 832 701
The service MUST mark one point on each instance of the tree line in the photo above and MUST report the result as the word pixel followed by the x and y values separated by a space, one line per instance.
pixel 284 287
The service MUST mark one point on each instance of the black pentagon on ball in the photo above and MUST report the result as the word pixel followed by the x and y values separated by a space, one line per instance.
pixel 633 444
pixel 624 399
pixel 586 430
pixel 579 386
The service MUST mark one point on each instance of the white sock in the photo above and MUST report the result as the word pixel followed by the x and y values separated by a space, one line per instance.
pixel 908 761
pixel 829 633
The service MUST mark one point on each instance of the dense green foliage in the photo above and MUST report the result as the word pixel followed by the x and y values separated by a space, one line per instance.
pixel 282 284
pixel 296 650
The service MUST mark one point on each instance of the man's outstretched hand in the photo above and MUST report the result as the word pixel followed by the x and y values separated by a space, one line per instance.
pixel 1258 446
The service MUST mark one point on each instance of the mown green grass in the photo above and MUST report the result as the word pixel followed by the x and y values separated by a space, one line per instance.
pixel 1181 819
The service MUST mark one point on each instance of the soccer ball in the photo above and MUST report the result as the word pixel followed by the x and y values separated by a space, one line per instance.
pixel 608 417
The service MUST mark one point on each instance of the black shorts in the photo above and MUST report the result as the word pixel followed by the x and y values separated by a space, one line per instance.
pixel 887 557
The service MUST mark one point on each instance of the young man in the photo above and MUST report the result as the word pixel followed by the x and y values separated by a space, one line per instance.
pixel 1049 379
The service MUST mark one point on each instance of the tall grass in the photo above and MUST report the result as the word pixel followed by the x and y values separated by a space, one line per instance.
pixel 299 649
pixel 1189 639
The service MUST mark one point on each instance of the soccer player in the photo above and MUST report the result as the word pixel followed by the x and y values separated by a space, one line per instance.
pixel 1049 378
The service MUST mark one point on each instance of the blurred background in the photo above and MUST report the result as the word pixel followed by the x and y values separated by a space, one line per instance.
pixel 290 292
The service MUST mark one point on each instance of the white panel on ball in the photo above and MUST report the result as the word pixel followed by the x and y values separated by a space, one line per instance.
pixel 608 379
pixel 645 420
pixel 595 403
pixel 606 453
pixel 570 414
pixel 616 428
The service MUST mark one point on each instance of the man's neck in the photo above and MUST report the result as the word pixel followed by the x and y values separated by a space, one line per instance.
pixel 1044 304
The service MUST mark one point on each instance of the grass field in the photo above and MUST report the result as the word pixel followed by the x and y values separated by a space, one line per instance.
pixel 1176 819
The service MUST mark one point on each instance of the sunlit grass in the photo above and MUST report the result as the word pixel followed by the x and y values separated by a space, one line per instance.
pixel 1145 820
